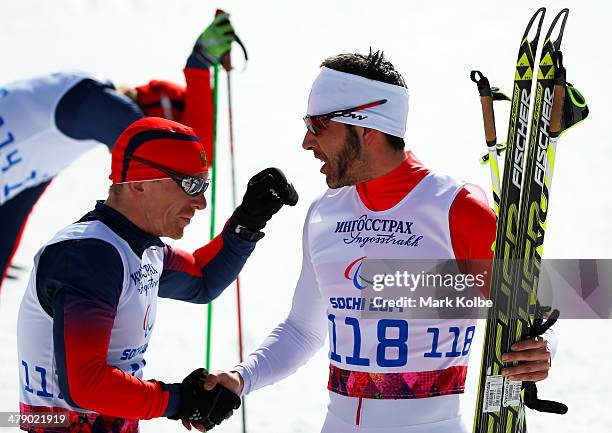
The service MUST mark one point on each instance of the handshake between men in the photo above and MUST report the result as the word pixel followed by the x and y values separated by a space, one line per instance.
pixel 202 406
pixel 209 398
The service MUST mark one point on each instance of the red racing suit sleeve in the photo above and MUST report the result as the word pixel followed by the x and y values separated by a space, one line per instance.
pixel 92 383
pixel 472 226
pixel 84 278
pixel 199 112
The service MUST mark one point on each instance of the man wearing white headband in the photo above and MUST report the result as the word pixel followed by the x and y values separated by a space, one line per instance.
pixel 386 375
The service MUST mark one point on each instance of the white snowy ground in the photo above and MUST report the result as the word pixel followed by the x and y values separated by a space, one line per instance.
pixel 435 47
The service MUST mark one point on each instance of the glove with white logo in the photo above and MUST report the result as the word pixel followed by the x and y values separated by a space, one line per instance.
pixel 266 193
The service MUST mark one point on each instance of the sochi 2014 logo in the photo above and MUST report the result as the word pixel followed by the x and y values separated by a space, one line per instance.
pixel 353 273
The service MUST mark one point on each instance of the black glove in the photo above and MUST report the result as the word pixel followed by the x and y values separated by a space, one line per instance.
pixel 266 193
pixel 209 408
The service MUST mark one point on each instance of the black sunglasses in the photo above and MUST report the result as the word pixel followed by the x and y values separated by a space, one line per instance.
pixel 191 185
pixel 317 122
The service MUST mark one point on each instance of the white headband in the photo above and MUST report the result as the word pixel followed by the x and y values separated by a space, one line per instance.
pixel 333 90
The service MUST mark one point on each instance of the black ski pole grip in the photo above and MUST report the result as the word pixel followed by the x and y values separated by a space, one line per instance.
pixel 484 88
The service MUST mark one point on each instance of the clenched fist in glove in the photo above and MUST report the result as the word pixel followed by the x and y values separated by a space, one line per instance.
pixel 204 408
pixel 266 193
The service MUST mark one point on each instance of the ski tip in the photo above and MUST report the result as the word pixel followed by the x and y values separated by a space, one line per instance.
pixel 562 15
pixel 540 12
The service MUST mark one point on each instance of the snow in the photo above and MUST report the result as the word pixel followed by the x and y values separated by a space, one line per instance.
pixel 434 47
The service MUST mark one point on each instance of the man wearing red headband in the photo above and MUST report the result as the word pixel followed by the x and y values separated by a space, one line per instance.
pixel 48 122
pixel 89 309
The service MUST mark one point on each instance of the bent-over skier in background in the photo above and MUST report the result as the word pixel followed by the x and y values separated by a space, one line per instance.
pixel 47 122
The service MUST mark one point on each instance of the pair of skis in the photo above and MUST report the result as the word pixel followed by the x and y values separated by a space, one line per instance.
pixel 521 200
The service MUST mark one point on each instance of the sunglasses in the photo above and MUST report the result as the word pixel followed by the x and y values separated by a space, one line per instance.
pixel 191 185
pixel 317 122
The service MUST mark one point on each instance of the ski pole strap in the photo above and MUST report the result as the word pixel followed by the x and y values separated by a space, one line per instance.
pixel 485 89
pixel 539 325
pixel 560 72
pixel 531 400
pixel 501 148
pixel 575 97
pixel 530 395
pixel 482 82
pixel 575 109
pixel 498 95
pixel 244 51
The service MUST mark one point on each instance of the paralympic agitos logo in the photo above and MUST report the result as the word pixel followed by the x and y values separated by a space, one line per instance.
pixel 353 273
pixel 147 323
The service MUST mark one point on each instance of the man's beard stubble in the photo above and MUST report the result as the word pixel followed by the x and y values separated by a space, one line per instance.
pixel 346 163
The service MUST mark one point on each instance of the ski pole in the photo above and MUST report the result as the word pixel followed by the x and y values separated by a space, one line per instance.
pixel 488 117
pixel 234 202
pixel 226 62
pixel 213 205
